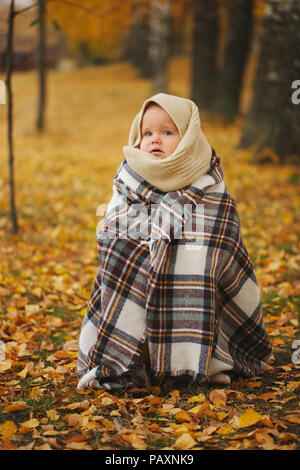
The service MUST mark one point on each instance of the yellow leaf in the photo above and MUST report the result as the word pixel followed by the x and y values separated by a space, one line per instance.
pixel 218 397
pixel 23 372
pixel 293 419
pixel 195 409
pixel 175 393
pixel 248 418
pixel 293 385
pixel 106 401
pixel 197 398
pixel 277 342
pixel 8 429
pixel 287 218
pixel 37 291
pixel 35 392
pixel 202 409
pixel 182 429
pixel 82 312
pixel 184 442
pixel 138 443
pixel 273 266
pixel 226 429
pixel 254 384
pixel 30 424
pixel 221 415
pixel 182 416
pixel 267 396
pixel 18 406
pixel 53 415
pixel 108 424
pixel 20 289
pixel 4 366
pixel 135 441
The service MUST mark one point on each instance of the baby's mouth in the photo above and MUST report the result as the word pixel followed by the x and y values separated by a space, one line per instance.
pixel 156 152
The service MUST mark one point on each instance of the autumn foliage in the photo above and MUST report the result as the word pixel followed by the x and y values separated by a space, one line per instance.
pixel 47 272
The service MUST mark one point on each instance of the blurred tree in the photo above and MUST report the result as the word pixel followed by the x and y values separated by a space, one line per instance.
pixel 41 65
pixel 136 41
pixel 238 39
pixel 159 46
pixel 9 60
pixel 273 120
pixel 204 53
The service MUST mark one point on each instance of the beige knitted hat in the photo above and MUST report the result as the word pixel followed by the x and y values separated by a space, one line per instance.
pixel 190 160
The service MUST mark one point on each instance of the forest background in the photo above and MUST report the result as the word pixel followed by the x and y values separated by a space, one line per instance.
pixel 76 74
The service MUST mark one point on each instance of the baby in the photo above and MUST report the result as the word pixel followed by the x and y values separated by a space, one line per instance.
pixel 183 285
pixel 160 136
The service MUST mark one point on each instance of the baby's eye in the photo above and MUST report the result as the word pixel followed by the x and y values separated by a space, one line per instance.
pixel 148 133
pixel 167 132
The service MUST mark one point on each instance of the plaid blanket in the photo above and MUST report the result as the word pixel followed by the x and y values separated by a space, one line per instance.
pixel 174 272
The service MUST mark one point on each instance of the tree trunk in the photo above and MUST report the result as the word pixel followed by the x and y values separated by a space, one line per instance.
pixel 204 55
pixel 9 60
pixel 230 79
pixel 160 17
pixel 273 120
pixel 136 41
pixel 41 54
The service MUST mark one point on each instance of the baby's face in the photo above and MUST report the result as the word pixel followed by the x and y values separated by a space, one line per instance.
pixel 160 136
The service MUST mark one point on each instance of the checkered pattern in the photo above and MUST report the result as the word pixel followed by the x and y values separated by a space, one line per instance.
pixel 193 297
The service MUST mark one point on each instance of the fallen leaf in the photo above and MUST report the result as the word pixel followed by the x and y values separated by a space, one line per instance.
pixel 6 365
pixel 184 442
pixel 30 424
pixel 23 372
pixel 254 384
pixel 197 398
pixel 182 416
pixel 267 396
pixel 17 406
pixel 248 418
pixel 53 415
pixel 226 429
pixel 8 429
pixel 138 443
pixel 218 397
pixel 293 419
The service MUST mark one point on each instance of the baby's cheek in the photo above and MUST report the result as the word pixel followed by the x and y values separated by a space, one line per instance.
pixel 143 144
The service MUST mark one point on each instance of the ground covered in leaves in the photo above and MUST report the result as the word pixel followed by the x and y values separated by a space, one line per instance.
pixel 47 272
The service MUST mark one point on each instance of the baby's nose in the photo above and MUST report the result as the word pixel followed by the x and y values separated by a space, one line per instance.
pixel 155 138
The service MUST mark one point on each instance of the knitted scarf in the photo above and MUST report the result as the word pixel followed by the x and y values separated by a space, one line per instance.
pixel 178 277
pixel 188 162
